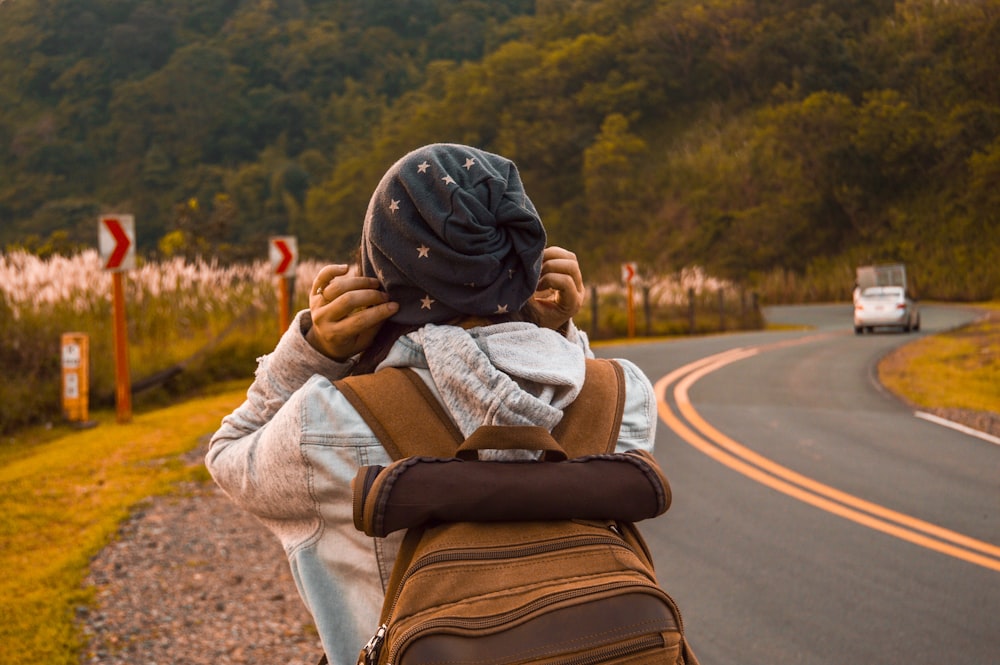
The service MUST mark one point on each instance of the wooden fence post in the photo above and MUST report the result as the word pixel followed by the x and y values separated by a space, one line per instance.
pixel 647 311
pixel 691 309
pixel 722 309
pixel 593 312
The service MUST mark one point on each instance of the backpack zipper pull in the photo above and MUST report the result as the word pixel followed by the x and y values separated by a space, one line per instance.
pixel 374 646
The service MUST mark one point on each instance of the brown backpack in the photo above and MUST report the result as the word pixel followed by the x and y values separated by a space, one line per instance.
pixel 508 563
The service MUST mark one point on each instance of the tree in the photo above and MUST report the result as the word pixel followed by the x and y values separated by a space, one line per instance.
pixel 896 142
pixel 617 200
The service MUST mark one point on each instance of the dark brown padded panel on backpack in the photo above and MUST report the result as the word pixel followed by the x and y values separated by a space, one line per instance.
pixel 421 490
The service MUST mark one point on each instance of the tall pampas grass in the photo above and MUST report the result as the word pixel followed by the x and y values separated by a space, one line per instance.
pixel 199 322
pixel 176 311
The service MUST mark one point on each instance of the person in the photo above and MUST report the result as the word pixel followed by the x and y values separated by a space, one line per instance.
pixel 455 282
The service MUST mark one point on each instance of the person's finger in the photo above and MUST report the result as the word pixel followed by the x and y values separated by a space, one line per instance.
pixel 568 267
pixel 326 275
pixel 557 252
pixel 554 253
pixel 370 317
pixel 559 260
pixel 342 337
pixel 560 285
pixel 349 301
pixel 342 285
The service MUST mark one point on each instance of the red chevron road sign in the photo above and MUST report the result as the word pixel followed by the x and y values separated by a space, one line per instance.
pixel 284 253
pixel 629 272
pixel 116 239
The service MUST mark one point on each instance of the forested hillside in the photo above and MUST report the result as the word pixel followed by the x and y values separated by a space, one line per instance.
pixel 740 135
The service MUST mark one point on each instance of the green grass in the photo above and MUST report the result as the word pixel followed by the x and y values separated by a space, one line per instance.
pixel 63 494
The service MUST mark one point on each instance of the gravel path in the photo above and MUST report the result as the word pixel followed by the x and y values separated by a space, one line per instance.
pixel 190 580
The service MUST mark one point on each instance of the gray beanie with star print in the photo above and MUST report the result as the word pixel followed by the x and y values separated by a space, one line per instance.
pixel 450 232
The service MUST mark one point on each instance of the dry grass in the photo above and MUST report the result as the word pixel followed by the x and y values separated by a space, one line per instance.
pixel 955 374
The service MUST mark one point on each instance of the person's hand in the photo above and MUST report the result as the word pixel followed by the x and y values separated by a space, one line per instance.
pixel 560 291
pixel 347 311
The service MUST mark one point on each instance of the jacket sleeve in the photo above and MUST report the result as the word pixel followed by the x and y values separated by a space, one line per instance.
pixel 254 456
pixel 638 429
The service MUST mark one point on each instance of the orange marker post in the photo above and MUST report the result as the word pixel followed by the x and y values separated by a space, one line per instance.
pixel 123 381
pixel 631 312
pixel 116 237
pixel 284 306
pixel 75 377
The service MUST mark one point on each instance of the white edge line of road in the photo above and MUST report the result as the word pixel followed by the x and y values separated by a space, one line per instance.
pixel 956 426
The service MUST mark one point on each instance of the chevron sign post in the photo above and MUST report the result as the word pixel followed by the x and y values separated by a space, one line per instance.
pixel 116 240
pixel 284 254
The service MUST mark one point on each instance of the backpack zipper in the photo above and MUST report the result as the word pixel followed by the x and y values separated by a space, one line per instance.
pixel 374 645
pixel 629 648
pixel 511 553
pixel 493 621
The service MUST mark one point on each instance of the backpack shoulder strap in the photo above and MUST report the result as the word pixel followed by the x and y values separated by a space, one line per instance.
pixel 591 423
pixel 403 413
pixel 408 419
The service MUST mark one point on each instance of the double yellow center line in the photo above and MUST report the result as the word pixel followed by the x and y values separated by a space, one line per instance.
pixel 688 424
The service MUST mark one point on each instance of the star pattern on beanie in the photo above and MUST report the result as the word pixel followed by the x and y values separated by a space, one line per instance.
pixel 450 232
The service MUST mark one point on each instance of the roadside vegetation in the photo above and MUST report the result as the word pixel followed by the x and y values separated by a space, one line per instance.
pixel 189 324
pixel 954 375
pixel 63 493
pixel 194 323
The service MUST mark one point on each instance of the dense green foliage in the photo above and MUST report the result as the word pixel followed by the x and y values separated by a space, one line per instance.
pixel 744 136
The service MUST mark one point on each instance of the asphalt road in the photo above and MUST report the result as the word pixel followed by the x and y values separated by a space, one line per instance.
pixel 815 518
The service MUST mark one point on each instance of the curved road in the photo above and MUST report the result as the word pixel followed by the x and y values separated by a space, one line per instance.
pixel 817 519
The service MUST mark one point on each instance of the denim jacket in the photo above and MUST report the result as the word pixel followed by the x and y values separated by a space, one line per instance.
pixel 288 454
